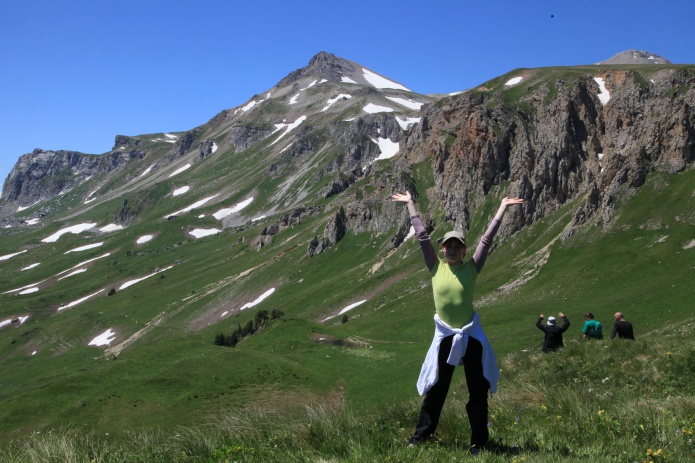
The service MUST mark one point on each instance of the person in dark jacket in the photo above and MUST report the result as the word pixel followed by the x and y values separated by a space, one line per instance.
pixel 622 327
pixel 553 333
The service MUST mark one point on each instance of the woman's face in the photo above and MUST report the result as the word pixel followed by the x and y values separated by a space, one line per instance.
pixel 453 251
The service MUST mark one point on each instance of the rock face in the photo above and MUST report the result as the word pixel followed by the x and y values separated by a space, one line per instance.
pixel 334 232
pixel 42 174
pixel 558 142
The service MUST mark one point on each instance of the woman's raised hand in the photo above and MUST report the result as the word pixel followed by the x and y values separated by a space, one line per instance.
pixel 509 201
pixel 402 197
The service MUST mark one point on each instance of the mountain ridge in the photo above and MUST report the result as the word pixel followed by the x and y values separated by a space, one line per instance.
pixel 131 268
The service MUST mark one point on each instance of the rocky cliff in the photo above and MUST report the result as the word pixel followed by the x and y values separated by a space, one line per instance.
pixel 553 139
pixel 42 174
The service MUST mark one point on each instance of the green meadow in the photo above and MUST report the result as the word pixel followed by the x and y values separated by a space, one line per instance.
pixel 313 386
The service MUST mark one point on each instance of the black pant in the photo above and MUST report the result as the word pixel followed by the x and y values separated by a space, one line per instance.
pixel 477 384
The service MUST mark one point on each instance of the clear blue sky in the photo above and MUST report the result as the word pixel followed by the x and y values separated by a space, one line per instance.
pixel 75 73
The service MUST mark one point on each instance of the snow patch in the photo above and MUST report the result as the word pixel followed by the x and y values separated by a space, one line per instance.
pixel 144 239
pixel 407 122
pixel 84 248
pixel 406 102
pixel 387 147
pixel 7 256
pixel 192 206
pixel 202 232
pixel 333 100
pixel 372 108
pixel 513 81
pixel 104 339
pixel 180 191
pixel 74 303
pixel 259 300
pixel 29 291
pixel 20 208
pixel 147 171
pixel 347 309
pixel 111 227
pixel 288 128
pixel 603 94
pixel 222 213
pixel 178 171
pixel 132 282
pixel 30 266
pixel 381 82
pixel 75 229
pixel 82 270
pixel 347 80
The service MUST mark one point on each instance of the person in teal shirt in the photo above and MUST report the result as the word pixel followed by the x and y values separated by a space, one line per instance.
pixel 459 338
pixel 593 329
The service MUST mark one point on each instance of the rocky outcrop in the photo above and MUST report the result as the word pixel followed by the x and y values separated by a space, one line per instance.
pixel 43 174
pixel 334 232
pixel 285 221
pixel 558 142
pixel 244 136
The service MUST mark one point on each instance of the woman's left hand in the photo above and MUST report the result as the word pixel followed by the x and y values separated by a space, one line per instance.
pixel 509 201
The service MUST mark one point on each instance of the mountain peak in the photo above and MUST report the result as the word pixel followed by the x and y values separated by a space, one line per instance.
pixel 335 69
pixel 323 66
pixel 636 57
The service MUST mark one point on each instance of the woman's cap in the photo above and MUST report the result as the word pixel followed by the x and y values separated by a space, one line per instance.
pixel 452 234
pixel 551 320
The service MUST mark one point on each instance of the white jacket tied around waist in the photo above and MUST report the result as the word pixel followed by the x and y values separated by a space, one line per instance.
pixel 430 368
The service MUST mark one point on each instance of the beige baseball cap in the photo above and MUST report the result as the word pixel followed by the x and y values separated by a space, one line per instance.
pixel 452 234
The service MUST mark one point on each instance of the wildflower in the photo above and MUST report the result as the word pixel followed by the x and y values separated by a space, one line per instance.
pixel 559 417
pixel 601 412
pixel 544 408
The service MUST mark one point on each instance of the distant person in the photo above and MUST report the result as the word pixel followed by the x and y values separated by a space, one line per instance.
pixel 593 329
pixel 459 338
pixel 553 333
pixel 622 327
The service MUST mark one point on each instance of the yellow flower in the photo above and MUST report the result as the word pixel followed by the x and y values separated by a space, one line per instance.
pixel 544 408
pixel 601 412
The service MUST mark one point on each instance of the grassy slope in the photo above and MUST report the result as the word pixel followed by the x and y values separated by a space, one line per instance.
pixel 177 376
